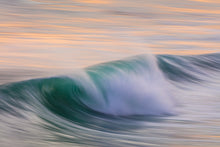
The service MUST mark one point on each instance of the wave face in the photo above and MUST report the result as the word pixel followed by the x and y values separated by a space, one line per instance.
pixel 101 96
pixel 129 87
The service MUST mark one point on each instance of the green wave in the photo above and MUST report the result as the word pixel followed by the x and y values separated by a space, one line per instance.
pixel 124 88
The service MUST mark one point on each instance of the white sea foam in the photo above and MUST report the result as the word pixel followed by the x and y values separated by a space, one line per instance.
pixel 144 91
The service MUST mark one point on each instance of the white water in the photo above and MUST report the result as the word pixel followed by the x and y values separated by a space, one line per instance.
pixel 51 37
pixel 142 91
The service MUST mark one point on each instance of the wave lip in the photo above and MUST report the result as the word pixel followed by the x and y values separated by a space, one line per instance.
pixel 134 86
pixel 130 87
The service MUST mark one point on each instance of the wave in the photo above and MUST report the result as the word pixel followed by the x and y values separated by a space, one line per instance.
pixel 139 85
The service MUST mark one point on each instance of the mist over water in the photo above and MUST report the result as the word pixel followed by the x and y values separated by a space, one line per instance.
pixel 109 73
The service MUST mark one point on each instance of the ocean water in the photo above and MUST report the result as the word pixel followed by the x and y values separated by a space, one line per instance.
pixel 109 73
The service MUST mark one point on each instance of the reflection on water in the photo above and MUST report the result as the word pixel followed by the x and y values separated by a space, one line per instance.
pixel 40 38
pixel 76 33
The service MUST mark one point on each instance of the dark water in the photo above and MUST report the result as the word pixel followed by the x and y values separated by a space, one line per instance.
pixel 146 100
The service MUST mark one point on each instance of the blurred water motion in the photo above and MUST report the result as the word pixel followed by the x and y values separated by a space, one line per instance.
pixel 65 34
pixel 161 98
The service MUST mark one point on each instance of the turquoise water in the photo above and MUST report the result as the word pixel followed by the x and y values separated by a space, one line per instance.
pixel 109 73
pixel 140 101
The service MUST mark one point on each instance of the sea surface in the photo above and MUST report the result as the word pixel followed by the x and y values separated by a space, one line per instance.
pixel 109 73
